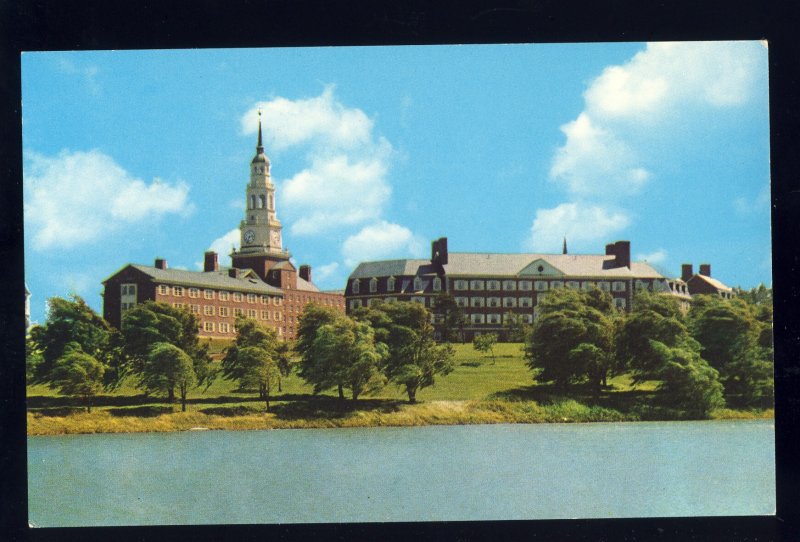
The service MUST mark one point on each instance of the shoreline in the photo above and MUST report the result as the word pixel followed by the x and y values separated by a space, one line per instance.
pixel 465 412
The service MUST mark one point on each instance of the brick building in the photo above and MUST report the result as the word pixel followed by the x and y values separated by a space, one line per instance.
pixel 262 282
pixel 489 286
pixel 702 283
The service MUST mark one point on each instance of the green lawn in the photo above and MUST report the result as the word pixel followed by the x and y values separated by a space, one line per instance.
pixel 479 390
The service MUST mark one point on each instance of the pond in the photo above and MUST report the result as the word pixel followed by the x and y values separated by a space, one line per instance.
pixel 435 473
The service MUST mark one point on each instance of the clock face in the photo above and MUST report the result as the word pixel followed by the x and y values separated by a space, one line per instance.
pixel 249 236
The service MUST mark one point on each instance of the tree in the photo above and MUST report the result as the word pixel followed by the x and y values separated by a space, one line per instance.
pixel 168 367
pixel 149 323
pixel 736 339
pixel 414 359
pixel 485 343
pixel 515 326
pixel 283 358
pixel 688 382
pixel 252 359
pixel 451 326
pixel 77 373
pixel 346 355
pixel 312 318
pixel 572 339
pixel 68 321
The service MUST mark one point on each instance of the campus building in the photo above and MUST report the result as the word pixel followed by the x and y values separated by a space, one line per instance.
pixel 488 287
pixel 702 284
pixel 261 284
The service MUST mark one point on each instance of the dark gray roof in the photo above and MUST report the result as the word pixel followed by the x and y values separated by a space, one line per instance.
pixel 468 264
pixel 208 279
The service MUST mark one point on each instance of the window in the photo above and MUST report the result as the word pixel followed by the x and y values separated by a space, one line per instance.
pixel 493 318
pixel 355 287
pixel 277 301
pixel 208 326
pixel 208 310
pixel 525 285
pixel 541 285
pixel 618 286
pixel 126 306
pixel 476 285
pixel 354 303
pixel 223 311
pixel 557 284
pixel 437 284
pixel 264 300
pixel 604 286
pixel 527 318
pixel 462 301
pixel 195 309
pixel 194 292
pixel 177 290
pixel 418 299
pixel 477 301
pixel 252 201
pixel 128 289
pixel 509 285
pixel 237 296
pixel 509 302
pixel 278 316
pixel 476 318
pixel 417 284
pixel 223 296
pixel 251 298
pixel 493 302
pixel 265 315
pixel 224 327
pixel 178 305
pixel 251 313
pixel 390 284
pixel 262 201
pixel 619 302
pixel 237 311
pixel 586 285
pixel 461 285
pixel 373 285
pixel 526 302
pixel 573 284
pixel 492 284
pixel 162 289
pixel 208 294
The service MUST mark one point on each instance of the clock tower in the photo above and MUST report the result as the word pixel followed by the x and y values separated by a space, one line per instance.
pixel 261 246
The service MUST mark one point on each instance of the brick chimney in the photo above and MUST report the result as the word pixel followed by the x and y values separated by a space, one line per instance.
pixel 610 249
pixel 686 272
pixel 305 272
pixel 161 263
pixel 233 272
pixel 621 250
pixel 210 263
pixel 705 269
pixel 439 251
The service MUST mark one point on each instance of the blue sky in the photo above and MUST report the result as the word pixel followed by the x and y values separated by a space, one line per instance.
pixel 132 155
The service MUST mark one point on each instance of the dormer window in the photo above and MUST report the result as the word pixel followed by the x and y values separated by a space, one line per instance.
pixel 417 283
pixel 355 287
pixel 437 284
pixel 390 284
pixel 373 285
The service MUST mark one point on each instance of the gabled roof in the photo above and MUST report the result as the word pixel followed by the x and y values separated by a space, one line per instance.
pixel 246 282
pixel 303 284
pixel 469 264
pixel 713 282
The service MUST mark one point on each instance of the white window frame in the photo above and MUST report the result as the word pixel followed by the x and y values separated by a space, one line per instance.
pixel 252 313
pixel 604 286
pixel 493 302
pixel 373 285
pixel 477 285
pixel 251 298
pixel 194 292
pixel 478 302
pixel 526 302
pixel 208 310
pixel 510 302
pixel 556 284
pixel 238 297
pixel 177 291
pixel 509 285
pixel 477 318
pixel 437 284
pixel 208 294
pixel 208 326
pixel 354 286
pixel 224 327
pixel 493 285
pixel 493 318
pixel 573 284
pixel 525 285
pixel 461 284
pixel 462 302
pixel 541 285
pixel 417 284
pixel 163 289
pixel 391 284
pixel 618 286
pixel 620 302
pixel 224 296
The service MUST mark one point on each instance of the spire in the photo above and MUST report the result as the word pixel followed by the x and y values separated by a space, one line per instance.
pixel 260 156
pixel 564 250
pixel 259 146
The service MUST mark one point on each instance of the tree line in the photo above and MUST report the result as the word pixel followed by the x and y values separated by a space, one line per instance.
pixel 719 351
pixel 79 354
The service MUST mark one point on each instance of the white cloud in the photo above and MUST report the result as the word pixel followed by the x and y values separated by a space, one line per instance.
pixel 344 182
pixel 321 120
pixel 323 272
pixel 379 241
pixel 657 257
pixel 77 197
pixel 594 162
pixel 749 206
pixel 582 224
pixel 667 76
pixel 335 192
pixel 223 246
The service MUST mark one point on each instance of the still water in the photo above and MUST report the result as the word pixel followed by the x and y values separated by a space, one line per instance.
pixel 484 472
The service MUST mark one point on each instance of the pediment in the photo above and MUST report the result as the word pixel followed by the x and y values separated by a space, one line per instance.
pixel 540 268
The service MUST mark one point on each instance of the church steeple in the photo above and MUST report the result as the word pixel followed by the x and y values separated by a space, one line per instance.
pixel 260 157
pixel 564 250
